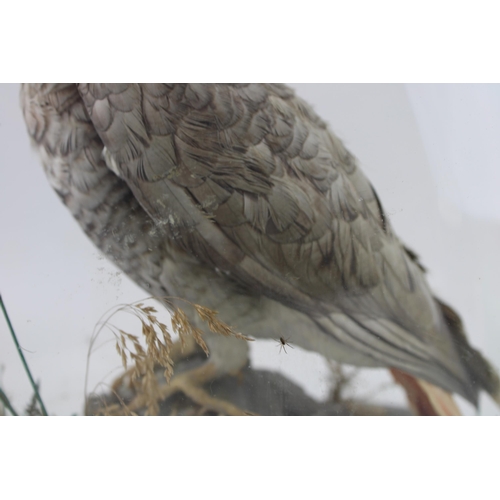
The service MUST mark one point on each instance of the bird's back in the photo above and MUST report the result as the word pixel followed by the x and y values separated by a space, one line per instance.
pixel 246 186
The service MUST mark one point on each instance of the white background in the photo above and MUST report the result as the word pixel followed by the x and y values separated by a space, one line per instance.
pixel 431 151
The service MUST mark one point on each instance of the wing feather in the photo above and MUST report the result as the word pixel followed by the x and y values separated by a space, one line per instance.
pixel 249 179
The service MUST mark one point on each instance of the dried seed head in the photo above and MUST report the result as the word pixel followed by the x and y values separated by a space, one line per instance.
pixel 158 339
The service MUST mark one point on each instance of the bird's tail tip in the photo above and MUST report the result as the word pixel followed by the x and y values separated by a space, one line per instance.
pixel 482 374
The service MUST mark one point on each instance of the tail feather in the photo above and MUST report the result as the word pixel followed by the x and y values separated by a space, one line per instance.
pixel 482 374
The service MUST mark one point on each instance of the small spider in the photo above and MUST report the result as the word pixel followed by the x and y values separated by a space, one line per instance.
pixel 282 342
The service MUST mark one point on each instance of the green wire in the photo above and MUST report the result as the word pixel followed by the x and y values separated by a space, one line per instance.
pixel 6 402
pixel 19 350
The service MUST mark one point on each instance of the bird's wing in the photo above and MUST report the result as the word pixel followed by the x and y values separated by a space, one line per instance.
pixel 249 180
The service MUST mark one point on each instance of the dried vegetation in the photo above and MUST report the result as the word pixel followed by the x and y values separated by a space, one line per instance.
pixel 141 362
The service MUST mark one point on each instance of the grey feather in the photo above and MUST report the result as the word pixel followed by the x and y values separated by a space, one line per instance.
pixel 176 182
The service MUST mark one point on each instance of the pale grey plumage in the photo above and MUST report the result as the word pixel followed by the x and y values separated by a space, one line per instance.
pixel 238 197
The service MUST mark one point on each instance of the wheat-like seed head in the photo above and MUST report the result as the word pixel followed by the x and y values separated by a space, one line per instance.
pixel 140 363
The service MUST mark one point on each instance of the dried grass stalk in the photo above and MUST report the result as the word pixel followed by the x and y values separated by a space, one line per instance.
pixel 159 344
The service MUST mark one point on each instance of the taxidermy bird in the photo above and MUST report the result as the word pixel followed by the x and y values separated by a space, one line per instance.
pixel 239 198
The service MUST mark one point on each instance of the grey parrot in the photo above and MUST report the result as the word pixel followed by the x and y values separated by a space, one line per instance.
pixel 239 198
